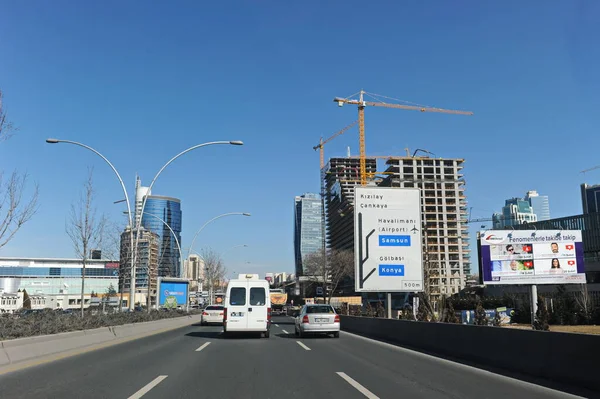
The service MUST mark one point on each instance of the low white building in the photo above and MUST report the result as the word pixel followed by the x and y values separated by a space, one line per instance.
pixel 54 283
pixel 11 302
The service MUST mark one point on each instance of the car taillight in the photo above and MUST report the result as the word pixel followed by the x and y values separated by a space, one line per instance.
pixel 305 319
pixel 224 314
pixel 268 314
pixel 337 318
pixel 221 314
pixel 204 314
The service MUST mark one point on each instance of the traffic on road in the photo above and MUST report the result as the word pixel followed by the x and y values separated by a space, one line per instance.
pixel 200 362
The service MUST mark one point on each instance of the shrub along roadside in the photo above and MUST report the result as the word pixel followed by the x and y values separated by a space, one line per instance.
pixel 51 322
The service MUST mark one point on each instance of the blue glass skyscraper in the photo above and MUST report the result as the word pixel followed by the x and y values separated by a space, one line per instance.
pixel 308 230
pixel 169 210
pixel 540 205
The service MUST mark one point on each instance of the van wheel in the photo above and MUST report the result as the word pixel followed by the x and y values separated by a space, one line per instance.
pixel 267 334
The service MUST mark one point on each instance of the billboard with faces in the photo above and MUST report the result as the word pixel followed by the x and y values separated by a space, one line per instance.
pixel 531 257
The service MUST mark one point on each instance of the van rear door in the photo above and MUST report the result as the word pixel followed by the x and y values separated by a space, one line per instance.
pixel 237 307
pixel 257 308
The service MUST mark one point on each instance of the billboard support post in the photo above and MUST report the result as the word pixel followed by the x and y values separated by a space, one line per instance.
pixel 389 305
pixel 534 307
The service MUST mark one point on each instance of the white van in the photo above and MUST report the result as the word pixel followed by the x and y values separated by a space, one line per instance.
pixel 247 305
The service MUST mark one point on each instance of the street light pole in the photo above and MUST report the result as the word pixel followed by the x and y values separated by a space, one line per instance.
pixel 209 222
pixel 56 141
pixel 139 223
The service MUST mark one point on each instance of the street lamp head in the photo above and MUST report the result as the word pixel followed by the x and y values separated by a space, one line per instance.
pixel 52 141
pixel 236 142
pixel 246 214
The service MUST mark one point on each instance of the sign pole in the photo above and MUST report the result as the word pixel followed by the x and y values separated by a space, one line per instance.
pixel 534 308
pixel 389 305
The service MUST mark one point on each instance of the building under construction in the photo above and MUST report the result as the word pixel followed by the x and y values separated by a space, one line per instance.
pixel 341 175
pixel 444 213
pixel 146 272
pixel 443 204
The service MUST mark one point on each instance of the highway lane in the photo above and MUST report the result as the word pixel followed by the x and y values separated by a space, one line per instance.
pixel 196 362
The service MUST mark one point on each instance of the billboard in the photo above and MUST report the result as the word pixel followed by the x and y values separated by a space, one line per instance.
pixel 172 293
pixel 387 239
pixel 531 257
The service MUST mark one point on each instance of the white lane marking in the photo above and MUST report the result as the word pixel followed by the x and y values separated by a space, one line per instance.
pixel 302 345
pixel 358 387
pixel 285 332
pixel 474 370
pixel 148 387
pixel 202 347
pixel 276 325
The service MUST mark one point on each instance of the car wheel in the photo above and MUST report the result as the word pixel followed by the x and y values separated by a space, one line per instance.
pixel 296 332
pixel 336 334
pixel 300 333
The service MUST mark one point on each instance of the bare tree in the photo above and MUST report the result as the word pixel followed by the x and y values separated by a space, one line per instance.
pixel 6 127
pixel 214 270
pixel 330 269
pixel 341 266
pixel 14 210
pixel 85 229
pixel 315 268
pixel 584 302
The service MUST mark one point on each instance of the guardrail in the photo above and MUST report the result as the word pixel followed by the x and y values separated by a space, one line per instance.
pixel 563 357
pixel 23 349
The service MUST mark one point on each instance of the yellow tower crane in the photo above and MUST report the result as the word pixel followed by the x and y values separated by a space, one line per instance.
pixel 322 142
pixel 361 120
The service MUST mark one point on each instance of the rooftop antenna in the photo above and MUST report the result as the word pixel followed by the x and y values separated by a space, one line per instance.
pixel 407 152
pixel 348 152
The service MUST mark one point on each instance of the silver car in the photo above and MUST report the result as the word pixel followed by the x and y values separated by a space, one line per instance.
pixel 318 319
pixel 212 314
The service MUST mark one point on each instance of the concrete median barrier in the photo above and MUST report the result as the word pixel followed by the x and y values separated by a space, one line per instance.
pixel 22 349
pixel 561 357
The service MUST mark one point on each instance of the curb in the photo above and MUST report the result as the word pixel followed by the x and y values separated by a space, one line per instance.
pixel 22 350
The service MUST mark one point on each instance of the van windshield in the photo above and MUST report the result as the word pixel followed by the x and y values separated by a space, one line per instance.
pixel 237 296
pixel 258 296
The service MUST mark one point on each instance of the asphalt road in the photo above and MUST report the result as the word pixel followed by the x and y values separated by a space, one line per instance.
pixel 196 362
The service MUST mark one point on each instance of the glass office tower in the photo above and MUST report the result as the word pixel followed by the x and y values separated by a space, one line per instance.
pixel 308 230
pixel 169 210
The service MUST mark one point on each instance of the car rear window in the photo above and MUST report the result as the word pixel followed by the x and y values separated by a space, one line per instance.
pixel 214 308
pixel 258 297
pixel 319 309
pixel 237 296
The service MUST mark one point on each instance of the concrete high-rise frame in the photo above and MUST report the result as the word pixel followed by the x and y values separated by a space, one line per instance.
pixel 341 176
pixel 447 255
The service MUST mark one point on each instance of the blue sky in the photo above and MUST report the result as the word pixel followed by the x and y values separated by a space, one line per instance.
pixel 141 81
